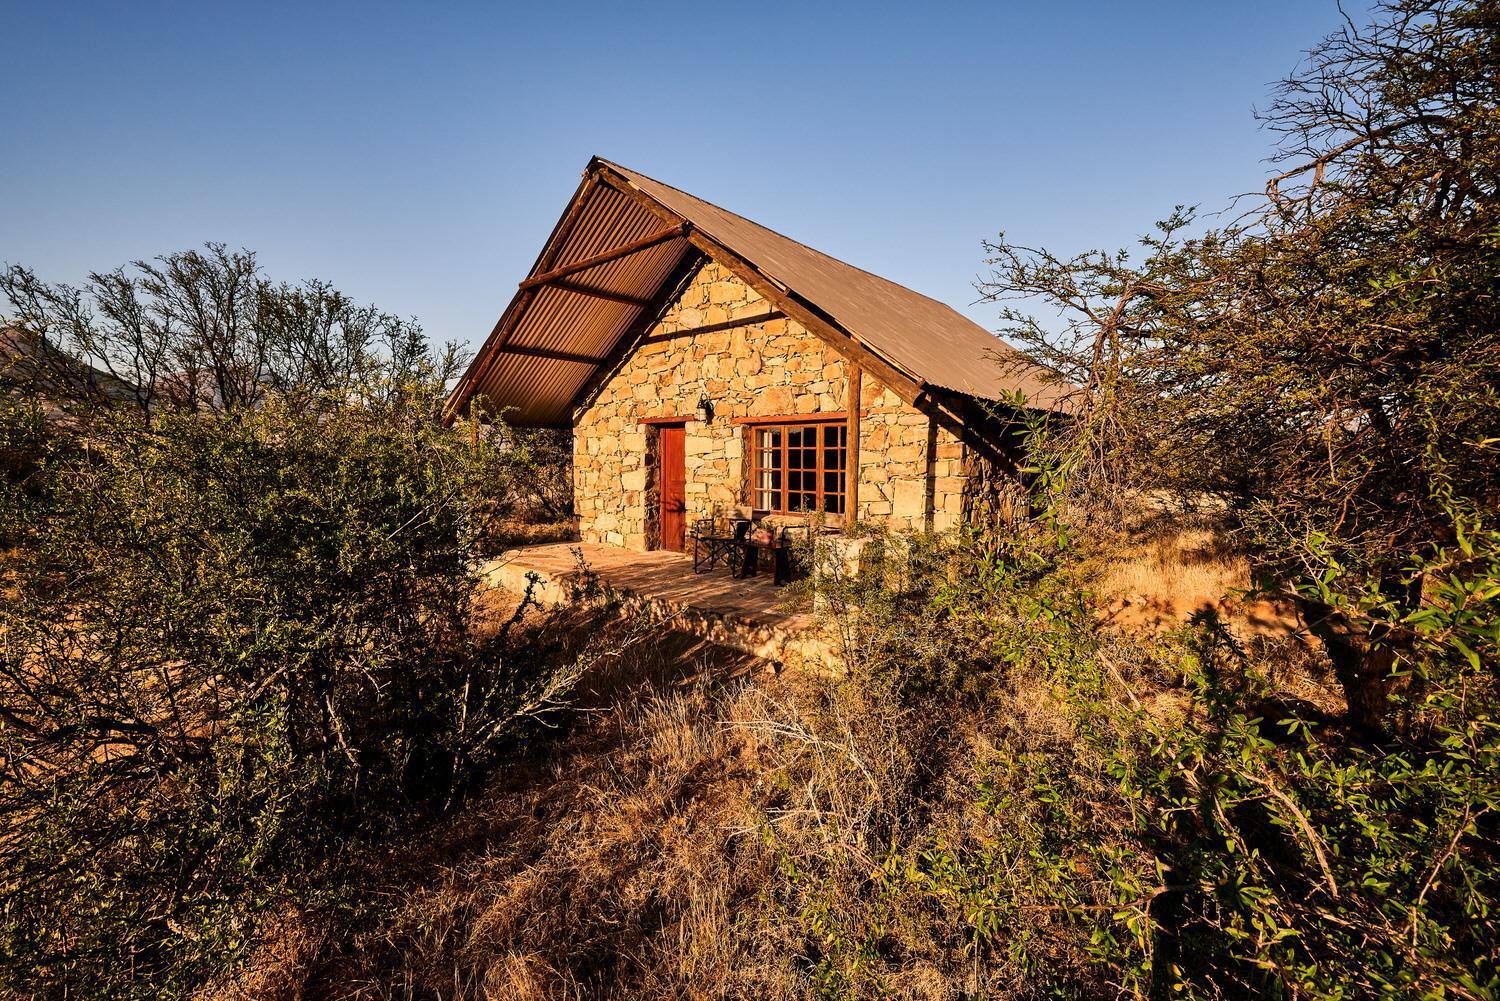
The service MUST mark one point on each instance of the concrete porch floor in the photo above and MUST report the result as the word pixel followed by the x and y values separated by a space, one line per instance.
pixel 749 615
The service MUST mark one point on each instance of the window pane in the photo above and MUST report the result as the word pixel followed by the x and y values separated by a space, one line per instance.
pixel 768 490
pixel 806 461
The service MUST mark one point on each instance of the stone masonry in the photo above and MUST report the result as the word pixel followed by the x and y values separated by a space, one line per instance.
pixel 911 471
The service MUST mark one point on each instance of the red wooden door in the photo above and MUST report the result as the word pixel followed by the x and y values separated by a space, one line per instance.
pixel 671 477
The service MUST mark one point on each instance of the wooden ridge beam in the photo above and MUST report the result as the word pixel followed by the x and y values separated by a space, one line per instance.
pixel 598 293
pixel 674 232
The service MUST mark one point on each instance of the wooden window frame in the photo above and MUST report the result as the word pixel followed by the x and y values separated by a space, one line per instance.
pixel 781 464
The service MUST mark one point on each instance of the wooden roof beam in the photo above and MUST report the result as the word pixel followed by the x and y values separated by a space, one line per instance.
pixel 709 328
pixel 674 232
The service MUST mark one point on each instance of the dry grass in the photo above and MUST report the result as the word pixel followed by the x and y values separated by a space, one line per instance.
pixel 512 532
pixel 613 860
pixel 1167 571
pixel 671 843
pixel 1188 568
pixel 1172 568
pixel 704 828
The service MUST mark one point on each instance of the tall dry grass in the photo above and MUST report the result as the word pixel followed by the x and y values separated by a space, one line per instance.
pixel 703 827
pixel 1165 567
pixel 697 832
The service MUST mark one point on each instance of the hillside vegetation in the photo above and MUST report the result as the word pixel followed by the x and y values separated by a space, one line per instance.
pixel 1218 721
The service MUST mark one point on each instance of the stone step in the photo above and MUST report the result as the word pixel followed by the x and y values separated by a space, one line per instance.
pixel 663 588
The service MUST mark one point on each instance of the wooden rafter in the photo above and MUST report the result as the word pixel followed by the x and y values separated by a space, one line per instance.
pixel 673 232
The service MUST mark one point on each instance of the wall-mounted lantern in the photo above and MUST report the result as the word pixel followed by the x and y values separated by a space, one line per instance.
pixel 705 409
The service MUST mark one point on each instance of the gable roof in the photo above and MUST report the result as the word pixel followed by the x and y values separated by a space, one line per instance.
pixel 569 317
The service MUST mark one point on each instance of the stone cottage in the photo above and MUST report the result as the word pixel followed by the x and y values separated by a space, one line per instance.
pixel 707 365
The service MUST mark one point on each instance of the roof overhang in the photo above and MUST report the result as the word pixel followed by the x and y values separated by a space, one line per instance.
pixel 618 257
pixel 600 272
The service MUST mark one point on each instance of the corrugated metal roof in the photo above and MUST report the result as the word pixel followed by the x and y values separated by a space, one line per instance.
pixel 536 390
pixel 930 341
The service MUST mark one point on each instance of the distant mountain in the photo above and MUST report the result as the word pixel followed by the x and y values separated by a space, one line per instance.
pixel 31 363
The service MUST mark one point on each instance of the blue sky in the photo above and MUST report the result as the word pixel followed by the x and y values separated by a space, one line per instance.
pixel 417 155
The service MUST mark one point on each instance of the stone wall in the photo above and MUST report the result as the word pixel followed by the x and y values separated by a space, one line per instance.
pixel 912 472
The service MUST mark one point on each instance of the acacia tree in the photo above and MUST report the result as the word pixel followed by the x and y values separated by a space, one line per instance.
pixel 1327 362
pixel 207 330
pixel 1108 316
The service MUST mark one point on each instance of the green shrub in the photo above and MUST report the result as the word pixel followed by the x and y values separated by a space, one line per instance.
pixel 238 632
pixel 1149 816
pixel 230 639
